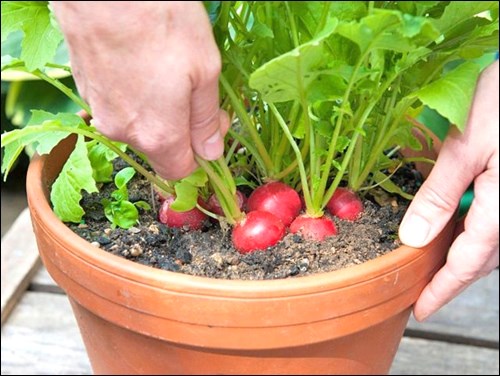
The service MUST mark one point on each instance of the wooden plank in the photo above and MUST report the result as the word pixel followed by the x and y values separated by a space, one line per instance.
pixel 423 357
pixel 41 337
pixel 471 318
pixel 13 201
pixel 42 281
pixel 20 261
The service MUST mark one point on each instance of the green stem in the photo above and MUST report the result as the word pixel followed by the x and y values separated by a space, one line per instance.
pixel 228 177
pixel 351 147
pixel 282 174
pixel 336 132
pixel 263 155
pixel 338 177
pixel 324 16
pixel 293 26
pixel 105 141
pixel 227 200
pixel 303 177
pixel 282 147
pixel 66 90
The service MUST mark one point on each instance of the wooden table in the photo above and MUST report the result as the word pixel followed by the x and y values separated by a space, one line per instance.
pixel 40 335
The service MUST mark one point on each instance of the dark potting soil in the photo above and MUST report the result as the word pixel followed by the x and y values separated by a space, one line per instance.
pixel 209 252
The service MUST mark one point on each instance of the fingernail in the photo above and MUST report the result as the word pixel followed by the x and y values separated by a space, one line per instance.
pixel 414 231
pixel 213 147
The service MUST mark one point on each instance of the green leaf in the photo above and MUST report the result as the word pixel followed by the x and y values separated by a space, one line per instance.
pixel 452 94
pixel 262 30
pixel 456 13
pixel 389 30
pixel 46 135
pixel 102 167
pixel 373 31
pixel 101 158
pixel 124 176
pixel 142 205
pixel 75 176
pixel 186 197
pixel 41 38
pixel 388 185
pixel 243 181
pixel 198 178
pixel 120 194
pixel 123 214
pixel 326 87
pixel 288 76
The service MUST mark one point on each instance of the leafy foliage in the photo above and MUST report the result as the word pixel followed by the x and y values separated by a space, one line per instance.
pixel 119 210
pixel 41 38
pixel 321 93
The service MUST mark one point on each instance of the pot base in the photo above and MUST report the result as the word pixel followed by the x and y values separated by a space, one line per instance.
pixel 113 350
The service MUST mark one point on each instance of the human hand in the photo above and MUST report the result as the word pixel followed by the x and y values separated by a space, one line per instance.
pixel 464 158
pixel 149 71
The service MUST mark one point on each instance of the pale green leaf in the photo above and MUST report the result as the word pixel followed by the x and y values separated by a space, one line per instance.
pixel 101 158
pixel 75 176
pixel 371 29
pixel 458 12
pixel 385 182
pixel 452 94
pixel 288 76
pixel 198 178
pixel 262 30
pixel 186 197
pixel 123 214
pixel 15 14
pixel 142 205
pixel 124 176
pixel 41 38
pixel 39 117
pixel 52 130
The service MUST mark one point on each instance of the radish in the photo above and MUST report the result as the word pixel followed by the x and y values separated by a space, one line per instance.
pixel 276 198
pixel 345 204
pixel 257 231
pixel 214 204
pixel 193 219
pixel 313 228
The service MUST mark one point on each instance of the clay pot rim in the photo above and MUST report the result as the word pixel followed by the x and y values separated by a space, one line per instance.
pixel 129 270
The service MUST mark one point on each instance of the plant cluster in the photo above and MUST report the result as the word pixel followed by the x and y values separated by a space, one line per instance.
pixel 323 96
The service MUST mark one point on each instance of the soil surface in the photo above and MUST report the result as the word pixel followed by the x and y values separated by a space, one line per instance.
pixel 209 252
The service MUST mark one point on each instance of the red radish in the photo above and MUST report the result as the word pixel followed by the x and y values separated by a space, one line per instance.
pixel 313 228
pixel 276 198
pixel 345 204
pixel 193 219
pixel 214 205
pixel 257 231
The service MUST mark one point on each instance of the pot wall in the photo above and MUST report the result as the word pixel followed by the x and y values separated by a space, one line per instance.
pixel 344 322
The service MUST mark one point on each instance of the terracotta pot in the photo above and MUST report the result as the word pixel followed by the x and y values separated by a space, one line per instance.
pixel 136 319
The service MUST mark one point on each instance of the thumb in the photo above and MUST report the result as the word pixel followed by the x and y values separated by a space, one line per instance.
pixel 438 198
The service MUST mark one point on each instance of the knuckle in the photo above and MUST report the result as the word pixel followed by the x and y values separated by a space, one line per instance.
pixel 210 68
pixel 464 277
pixel 205 122
pixel 437 199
